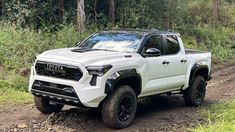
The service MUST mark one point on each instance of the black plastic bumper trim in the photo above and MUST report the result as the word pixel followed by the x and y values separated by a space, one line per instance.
pixel 53 95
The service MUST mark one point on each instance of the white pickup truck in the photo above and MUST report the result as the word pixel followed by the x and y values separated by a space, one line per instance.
pixel 112 69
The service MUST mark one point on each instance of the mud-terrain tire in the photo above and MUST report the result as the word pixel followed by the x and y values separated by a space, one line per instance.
pixel 118 110
pixel 44 105
pixel 195 94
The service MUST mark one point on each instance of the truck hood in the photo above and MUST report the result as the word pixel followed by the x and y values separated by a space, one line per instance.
pixel 96 57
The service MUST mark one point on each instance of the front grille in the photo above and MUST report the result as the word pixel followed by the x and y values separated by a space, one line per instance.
pixel 58 70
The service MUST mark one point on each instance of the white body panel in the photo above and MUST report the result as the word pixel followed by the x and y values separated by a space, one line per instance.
pixel 156 77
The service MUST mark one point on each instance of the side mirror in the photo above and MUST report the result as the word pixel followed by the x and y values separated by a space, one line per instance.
pixel 152 52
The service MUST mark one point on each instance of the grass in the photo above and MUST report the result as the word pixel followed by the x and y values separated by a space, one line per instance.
pixel 12 97
pixel 13 89
pixel 221 118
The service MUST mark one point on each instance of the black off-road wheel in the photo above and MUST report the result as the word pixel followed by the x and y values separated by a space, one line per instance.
pixel 45 106
pixel 195 94
pixel 118 110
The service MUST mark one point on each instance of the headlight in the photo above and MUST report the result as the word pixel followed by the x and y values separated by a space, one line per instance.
pixel 98 70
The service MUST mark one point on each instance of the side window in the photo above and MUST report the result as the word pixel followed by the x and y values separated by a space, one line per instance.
pixel 172 45
pixel 153 42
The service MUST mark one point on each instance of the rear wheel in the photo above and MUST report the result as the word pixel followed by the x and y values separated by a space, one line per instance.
pixel 45 106
pixel 195 94
pixel 118 110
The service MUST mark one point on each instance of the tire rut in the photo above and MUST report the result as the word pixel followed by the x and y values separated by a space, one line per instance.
pixel 222 84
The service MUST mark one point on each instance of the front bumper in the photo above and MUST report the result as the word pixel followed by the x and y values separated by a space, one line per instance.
pixel 68 91
pixel 57 92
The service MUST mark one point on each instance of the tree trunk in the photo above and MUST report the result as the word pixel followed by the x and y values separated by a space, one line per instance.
pixel 95 12
pixel 217 6
pixel 112 9
pixel 61 4
pixel 80 15
pixel 1 7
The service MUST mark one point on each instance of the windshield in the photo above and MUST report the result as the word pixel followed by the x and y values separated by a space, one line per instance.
pixel 122 42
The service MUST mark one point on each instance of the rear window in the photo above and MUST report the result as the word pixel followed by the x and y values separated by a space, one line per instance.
pixel 172 45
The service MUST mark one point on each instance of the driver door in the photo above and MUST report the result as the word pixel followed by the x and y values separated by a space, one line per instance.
pixel 155 69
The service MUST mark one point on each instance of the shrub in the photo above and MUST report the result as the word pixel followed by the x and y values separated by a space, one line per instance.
pixel 19 47
pixel 217 40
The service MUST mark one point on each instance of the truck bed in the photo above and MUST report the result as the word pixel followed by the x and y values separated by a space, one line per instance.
pixel 190 51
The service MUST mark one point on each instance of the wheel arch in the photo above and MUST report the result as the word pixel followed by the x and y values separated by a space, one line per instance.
pixel 124 77
pixel 199 69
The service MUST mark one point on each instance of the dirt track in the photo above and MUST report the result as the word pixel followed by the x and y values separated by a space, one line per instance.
pixel 160 113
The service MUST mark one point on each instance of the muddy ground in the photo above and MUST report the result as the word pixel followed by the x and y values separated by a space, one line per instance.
pixel 158 113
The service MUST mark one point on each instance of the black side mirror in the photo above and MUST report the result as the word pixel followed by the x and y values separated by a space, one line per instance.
pixel 152 52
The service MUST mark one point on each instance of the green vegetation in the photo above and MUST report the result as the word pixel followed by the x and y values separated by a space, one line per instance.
pixel 29 27
pixel 218 40
pixel 13 90
pixel 221 118
pixel 8 96
pixel 19 46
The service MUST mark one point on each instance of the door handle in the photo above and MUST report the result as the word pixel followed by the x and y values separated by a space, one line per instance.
pixel 165 62
pixel 183 61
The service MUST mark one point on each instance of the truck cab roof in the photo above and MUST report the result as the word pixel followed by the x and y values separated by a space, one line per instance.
pixel 141 31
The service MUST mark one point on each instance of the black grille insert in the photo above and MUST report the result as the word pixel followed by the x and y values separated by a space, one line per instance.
pixel 58 70
pixel 54 88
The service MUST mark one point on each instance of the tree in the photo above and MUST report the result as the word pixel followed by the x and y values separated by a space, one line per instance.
pixel 61 10
pixel 112 9
pixel 81 16
pixel 217 6
pixel 1 7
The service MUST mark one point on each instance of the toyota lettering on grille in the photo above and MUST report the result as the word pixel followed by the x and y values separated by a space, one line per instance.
pixel 56 68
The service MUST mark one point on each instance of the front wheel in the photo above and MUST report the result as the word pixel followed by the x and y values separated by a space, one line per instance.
pixel 45 106
pixel 118 110
pixel 195 94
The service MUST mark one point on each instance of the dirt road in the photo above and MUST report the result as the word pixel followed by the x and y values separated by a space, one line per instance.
pixel 159 113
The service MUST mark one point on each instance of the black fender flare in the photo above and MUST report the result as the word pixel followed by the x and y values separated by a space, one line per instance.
pixel 120 75
pixel 195 68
